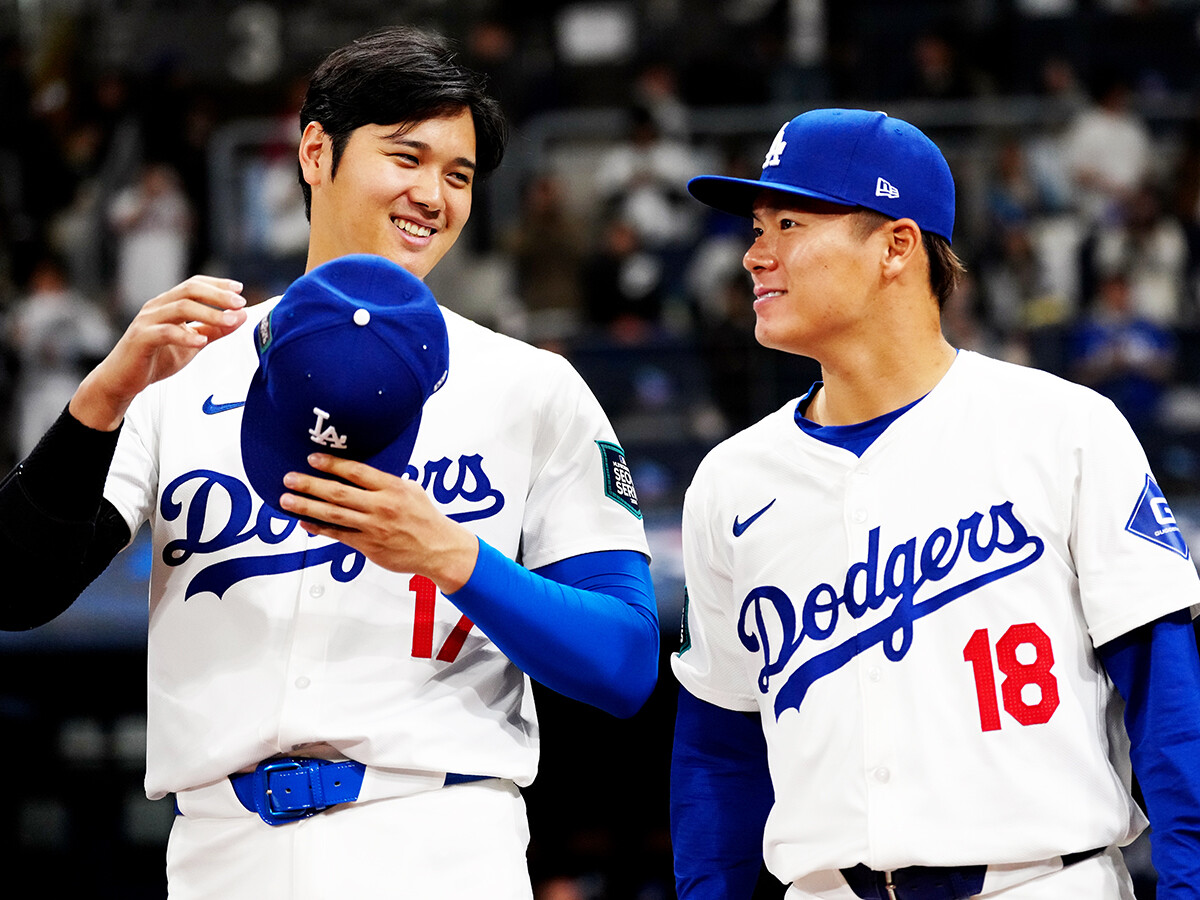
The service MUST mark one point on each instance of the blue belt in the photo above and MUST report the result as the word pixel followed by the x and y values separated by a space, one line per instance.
pixel 292 788
pixel 930 882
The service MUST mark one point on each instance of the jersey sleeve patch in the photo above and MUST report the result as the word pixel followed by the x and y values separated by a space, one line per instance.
pixel 1153 520
pixel 618 479
pixel 262 334
pixel 685 633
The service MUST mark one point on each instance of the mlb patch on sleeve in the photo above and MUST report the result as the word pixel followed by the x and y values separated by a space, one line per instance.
pixel 1153 520
pixel 618 480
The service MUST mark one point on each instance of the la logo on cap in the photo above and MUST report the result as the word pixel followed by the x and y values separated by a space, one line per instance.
pixel 775 154
pixel 326 436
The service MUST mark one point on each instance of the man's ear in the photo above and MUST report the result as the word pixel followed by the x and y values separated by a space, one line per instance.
pixel 316 154
pixel 903 247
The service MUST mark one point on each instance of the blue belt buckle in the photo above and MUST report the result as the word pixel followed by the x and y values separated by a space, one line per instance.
pixel 264 799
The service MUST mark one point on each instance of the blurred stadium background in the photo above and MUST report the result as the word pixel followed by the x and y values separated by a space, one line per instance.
pixel 149 139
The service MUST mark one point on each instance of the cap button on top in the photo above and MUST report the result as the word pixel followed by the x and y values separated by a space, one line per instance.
pixel 361 317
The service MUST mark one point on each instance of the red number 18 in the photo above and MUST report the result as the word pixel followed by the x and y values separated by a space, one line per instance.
pixel 1017 675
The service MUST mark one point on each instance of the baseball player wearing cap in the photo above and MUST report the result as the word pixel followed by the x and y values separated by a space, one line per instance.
pixel 340 655
pixel 917 595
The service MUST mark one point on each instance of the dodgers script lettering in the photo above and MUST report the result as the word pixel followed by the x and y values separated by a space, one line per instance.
pixel 480 491
pixel 768 610
pixel 218 512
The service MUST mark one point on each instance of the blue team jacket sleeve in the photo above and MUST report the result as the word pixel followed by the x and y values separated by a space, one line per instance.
pixel 720 796
pixel 1157 670
pixel 586 627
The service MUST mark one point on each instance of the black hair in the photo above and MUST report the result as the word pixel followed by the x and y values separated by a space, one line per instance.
pixel 946 269
pixel 399 75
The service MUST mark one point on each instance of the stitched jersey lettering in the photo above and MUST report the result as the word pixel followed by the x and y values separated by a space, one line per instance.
pixel 218 512
pixel 868 586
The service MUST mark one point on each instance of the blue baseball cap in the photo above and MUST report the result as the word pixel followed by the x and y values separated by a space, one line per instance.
pixel 346 361
pixel 848 156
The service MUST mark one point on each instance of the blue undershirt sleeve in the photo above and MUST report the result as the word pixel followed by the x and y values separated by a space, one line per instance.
pixel 586 627
pixel 1156 668
pixel 721 794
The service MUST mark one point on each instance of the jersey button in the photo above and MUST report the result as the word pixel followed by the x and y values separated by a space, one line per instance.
pixel 883 775
pixel 859 516
pixel 317 590
pixel 874 674
pixel 302 682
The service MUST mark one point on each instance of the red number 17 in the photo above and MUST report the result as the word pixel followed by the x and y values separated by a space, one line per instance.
pixel 422 643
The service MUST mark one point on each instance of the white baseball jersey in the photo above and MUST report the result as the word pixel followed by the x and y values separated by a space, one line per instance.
pixel 916 626
pixel 263 640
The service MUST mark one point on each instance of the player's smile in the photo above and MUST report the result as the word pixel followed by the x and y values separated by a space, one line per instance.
pixel 762 295
pixel 408 227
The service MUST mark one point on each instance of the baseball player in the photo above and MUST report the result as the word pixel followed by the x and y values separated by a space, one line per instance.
pixel 343 708
pixel 918 594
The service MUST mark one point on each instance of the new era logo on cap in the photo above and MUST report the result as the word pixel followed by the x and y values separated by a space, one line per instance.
pixel 347 359
pixel 852 157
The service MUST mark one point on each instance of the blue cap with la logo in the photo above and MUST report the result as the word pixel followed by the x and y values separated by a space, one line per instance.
pixel 852 157
pixel 346 361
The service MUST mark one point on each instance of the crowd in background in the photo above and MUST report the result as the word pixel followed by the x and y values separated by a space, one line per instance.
pixel 1079 224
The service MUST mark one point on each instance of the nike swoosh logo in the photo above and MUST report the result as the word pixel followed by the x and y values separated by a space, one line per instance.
pixel 211 409
pixel 740 527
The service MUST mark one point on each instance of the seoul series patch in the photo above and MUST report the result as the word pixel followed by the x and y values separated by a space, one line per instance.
pixel 1153 520
pixel 262 334
pixel 618 480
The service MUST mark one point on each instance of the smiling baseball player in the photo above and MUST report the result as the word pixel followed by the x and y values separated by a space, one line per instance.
pixel 911 592
pixel 343 631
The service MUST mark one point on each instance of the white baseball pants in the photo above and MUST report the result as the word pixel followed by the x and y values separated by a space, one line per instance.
pixel 1102 877
pixel 453 843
